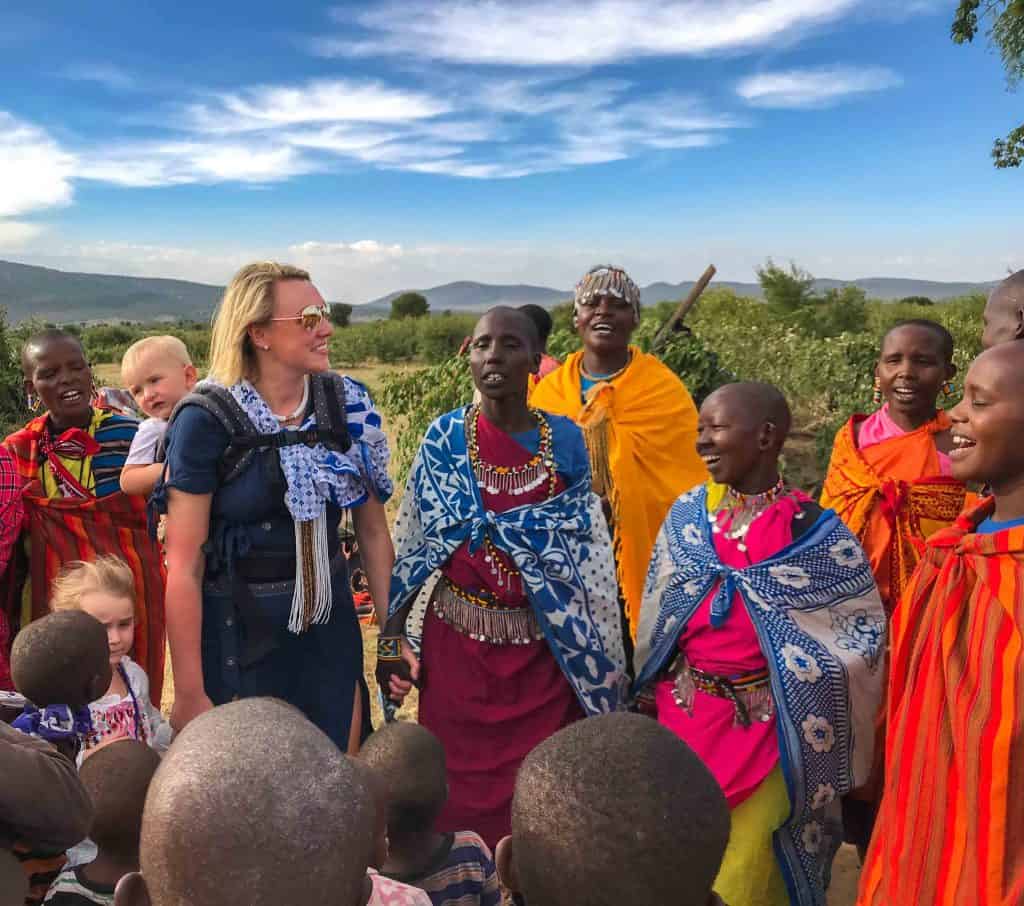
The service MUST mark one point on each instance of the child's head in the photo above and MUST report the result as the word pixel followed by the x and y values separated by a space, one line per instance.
pixel 611 810
pixel 1004 312
pixel 374 782
pixel 61 659
pixel 105 589
pixel 914 362
pixel 158 372
pixel 410 759
pixel 117 777
pixel 741 430
pixel 253 804
pixel 988 423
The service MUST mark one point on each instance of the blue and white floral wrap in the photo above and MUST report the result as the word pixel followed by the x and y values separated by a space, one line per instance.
pixel 822 628
pixel 561 548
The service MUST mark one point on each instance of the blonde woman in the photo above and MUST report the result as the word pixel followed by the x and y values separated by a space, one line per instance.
pixel 261 461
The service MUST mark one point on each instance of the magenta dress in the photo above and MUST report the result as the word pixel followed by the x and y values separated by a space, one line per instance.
pixel 490 705
pixel 740 758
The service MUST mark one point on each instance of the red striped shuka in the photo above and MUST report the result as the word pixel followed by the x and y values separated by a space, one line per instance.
pixel 950 830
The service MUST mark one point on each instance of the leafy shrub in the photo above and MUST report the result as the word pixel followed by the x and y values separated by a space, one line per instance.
pixel 13 411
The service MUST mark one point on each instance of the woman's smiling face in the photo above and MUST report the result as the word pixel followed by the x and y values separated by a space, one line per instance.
pixel 57 372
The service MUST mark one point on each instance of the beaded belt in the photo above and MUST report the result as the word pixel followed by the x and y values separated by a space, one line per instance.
pixel 483 618
pixel 750 693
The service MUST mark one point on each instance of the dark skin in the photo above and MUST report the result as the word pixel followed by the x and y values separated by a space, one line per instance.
pixel 57 372
pixel 912 367
pixel 988 426
pixel 503 353
pixel 605 324
pixel 1004 312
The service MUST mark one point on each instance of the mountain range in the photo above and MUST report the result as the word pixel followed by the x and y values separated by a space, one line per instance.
pixel 62 297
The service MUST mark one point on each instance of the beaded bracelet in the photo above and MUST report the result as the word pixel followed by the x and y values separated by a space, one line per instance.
pixel 389 648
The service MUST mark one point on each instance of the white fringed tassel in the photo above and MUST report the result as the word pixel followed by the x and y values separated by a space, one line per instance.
pixel 311 603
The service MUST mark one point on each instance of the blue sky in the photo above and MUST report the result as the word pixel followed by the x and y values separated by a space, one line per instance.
pixel 398 144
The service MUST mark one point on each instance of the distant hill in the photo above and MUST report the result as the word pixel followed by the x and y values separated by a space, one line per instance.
pixel 62 297
pixel 27 291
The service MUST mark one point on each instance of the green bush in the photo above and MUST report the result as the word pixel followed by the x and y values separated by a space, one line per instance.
pixel 13 410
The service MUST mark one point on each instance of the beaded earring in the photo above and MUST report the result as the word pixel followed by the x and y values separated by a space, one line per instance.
pixel 32 401
pixel 876 391
pixel 949 390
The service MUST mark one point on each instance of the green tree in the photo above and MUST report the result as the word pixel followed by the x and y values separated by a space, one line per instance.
pixel 341 314
pixel 1006 32
pixel 786 290
pixel 916 300
pixel 409 305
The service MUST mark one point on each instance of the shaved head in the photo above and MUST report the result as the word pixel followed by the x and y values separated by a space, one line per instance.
pixel 508 317
pixel 755 403
pixel 1004 312
pixel 253 804
pixel 1005 363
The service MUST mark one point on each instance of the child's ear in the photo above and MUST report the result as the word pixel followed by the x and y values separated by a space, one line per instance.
pixel 131 890
pixel 504 861
pixel 191 376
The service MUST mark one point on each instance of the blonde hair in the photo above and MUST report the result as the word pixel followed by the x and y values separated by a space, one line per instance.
pixel 248 300
pixel 166 345
pixel 107 574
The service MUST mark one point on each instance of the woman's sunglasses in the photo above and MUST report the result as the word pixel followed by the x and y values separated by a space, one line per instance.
pixel 310 317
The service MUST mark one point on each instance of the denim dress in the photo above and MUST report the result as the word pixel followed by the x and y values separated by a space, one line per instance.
pixel 247 648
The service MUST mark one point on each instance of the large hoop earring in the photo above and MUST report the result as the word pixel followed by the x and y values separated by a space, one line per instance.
pixel 876 391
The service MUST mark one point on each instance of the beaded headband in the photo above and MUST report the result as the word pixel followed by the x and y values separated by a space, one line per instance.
pixel 607 280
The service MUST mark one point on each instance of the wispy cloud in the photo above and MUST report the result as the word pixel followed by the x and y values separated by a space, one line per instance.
pixel 106 74
pixel 572 32
pixel 36 172
pixel 818 87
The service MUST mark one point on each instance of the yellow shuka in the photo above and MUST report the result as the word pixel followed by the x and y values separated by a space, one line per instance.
pixel 641 433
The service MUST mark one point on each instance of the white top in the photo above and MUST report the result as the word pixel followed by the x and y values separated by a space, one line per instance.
pixel 146 441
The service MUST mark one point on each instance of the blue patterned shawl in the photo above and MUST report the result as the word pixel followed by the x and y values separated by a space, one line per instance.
pixel 822 629
pixel 561 548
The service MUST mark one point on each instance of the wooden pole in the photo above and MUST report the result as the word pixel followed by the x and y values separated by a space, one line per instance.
pixel 661 337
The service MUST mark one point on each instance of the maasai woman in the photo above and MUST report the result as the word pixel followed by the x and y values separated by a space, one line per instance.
pixel 761 636
pixel 637 418
pixel 521 635
pixel 889 478
pixel 69 460
pixel 951 821
pixel 258 595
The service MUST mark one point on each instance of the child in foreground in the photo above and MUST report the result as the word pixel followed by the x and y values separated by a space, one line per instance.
pixel 455 869
pixel 614 811
pixel 158 372
pixel 116 778
pixel 212 835
pixel 951 820
pixel 105 589
pixel 59 664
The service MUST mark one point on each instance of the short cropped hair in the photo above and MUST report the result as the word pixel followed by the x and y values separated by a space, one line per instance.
pixel 943 336
pixel 42 337
pixel 541 318
pixel 617 809
pixel 108 574
pixel 411 762
pixel 170 347
pixel 254 804
pixel 55 658
pixel 117 777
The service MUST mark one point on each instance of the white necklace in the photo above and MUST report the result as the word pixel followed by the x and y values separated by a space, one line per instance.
pixel 298 409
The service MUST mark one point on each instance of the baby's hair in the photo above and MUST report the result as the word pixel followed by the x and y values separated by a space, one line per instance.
pixel 41 338
pixel 253 804
pixel 80 577
pixel 412 763
pixel 117 777
pixel 165 345
pixel 55 659
pixel 944 337
pixel 616 809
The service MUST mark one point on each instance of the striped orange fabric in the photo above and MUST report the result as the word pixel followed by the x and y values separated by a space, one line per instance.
pixel 65 529
pixel 950 830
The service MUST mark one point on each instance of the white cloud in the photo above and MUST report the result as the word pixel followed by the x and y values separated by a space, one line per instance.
pixel 14 233
pixel 574 32
pixel 320 101
pixel 106 74
pixel 365 248
pixel 35 172
pixel 817 87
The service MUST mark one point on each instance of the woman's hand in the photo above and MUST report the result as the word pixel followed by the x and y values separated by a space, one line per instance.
pixel 396 678
pixel 188 706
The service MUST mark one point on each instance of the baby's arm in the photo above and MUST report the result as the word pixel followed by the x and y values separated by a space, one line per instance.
pixel 141 479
